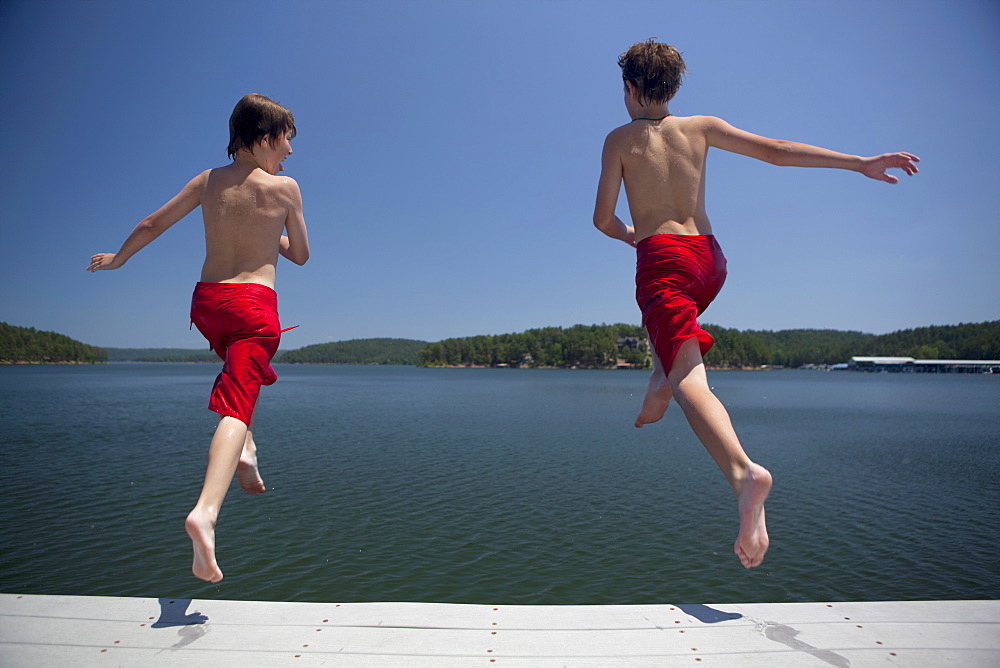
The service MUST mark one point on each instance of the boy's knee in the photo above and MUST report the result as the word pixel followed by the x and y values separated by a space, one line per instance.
pixel 688 389
pixel 679 389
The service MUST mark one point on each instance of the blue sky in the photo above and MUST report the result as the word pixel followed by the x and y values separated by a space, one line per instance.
pixel 448 154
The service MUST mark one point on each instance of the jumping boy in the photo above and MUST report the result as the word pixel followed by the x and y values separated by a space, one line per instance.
pixel 680 267
pixel 246 208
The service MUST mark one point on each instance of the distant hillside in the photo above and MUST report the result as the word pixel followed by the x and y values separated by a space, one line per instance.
pixel 580 346
pixel 26 344
pixel 357 351
pixel 161 355
pixel 980 341
pixel 791 347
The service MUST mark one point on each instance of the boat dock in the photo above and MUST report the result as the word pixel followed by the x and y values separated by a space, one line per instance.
pixel 40 631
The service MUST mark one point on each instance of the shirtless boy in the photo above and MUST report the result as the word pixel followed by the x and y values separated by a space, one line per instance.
pixel 680 266
pixel 246 209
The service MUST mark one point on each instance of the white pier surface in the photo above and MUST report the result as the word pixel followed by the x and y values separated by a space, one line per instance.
pixel 105 631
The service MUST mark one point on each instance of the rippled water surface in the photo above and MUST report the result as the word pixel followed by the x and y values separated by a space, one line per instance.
pixel 500 486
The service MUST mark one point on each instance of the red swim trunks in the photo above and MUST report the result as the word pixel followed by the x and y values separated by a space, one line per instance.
pixel 676 278
pixel 240 321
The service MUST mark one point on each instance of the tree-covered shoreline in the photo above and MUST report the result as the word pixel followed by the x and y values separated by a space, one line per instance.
pixel 615 346
pixel 27 345
pixel 579 346
pixel 162 355
pixel 357 351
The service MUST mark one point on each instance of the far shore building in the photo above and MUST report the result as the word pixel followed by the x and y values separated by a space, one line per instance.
pixel 633 342
pixel 911 365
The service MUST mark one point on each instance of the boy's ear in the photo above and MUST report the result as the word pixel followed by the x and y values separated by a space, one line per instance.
pixel 260 143
pixel 631 89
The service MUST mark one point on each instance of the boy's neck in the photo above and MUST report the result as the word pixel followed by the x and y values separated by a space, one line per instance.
pixel 648 112
pixel 245 158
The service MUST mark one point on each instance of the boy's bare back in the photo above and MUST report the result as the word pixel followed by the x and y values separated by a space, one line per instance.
pixel 662 163
pixel 245 211
pixel 244 206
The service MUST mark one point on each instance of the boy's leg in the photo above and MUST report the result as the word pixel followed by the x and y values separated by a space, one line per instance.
pixel 710 422
pixel 247 471
pixel 223 456
pixel 658 393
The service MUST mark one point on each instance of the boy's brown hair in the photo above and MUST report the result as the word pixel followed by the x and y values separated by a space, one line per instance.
pixel 655 69
pixel 254 118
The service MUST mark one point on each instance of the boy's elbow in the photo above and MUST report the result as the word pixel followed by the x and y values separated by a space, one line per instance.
pixel 301 258
pixel 602 222
pixel 147 224
pixel 780 154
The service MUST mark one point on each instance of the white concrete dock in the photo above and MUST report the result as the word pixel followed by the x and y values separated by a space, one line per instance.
pixel 39 631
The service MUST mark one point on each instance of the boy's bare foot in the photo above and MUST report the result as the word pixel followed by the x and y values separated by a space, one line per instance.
pixel 654 405
pixel 202 533
pixel 248 475
pixel 752 542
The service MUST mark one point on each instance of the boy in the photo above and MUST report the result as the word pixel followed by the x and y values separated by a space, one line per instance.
pixel 680 266
pixel 245 207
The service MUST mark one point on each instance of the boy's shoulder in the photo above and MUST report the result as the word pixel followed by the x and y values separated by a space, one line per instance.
pixel 283 187
pixel 623 133
pixel 232 172
pixel 690 121
pixel 284 184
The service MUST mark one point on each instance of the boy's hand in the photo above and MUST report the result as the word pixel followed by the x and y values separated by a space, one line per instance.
pixel 874 168
pixel 102 261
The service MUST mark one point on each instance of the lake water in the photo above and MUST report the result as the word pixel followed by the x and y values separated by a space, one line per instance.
pixel 500 486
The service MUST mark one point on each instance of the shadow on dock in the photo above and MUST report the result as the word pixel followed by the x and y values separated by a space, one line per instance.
pixel 173 613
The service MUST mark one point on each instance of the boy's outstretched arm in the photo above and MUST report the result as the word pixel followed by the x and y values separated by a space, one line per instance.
pixel 294 246
pixel 721 134
pixel 152 226
pixel 608 188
